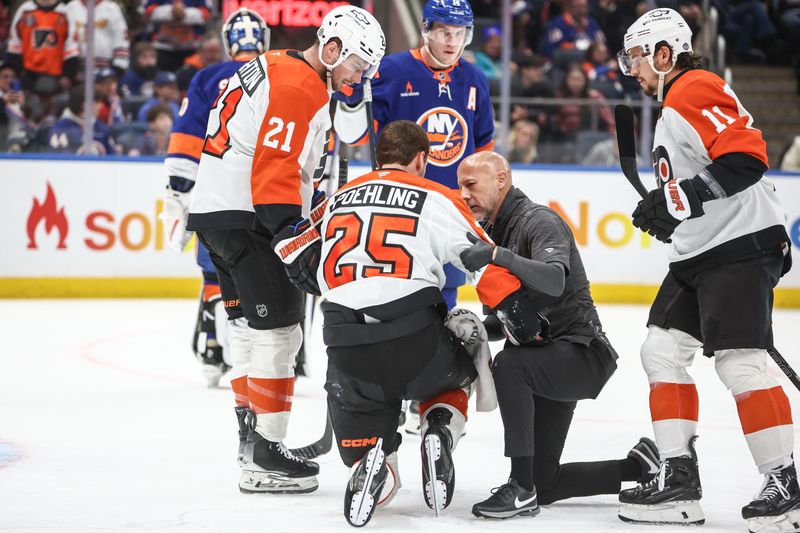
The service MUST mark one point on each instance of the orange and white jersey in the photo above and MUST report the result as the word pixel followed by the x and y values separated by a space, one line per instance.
pixel 388 234
pixel 265 136
pixel 701 120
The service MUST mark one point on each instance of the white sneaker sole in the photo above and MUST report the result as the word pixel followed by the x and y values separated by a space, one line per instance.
pixel 677 512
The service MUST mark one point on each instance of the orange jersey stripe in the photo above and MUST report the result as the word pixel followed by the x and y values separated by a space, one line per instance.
pixel 763 409
pixel 270 395
pixel 670 401
pixel 701 99
pixel 485 147
pixel 456 398
pixel 210 291
pixel 496 284
pixel 185 144
pixel 239 386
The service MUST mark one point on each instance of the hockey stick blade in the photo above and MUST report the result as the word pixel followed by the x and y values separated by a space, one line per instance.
pixel 627 147
pixel 321 447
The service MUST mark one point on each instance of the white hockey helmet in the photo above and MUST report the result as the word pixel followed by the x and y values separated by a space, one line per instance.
pixel 653 27
pixel 360 34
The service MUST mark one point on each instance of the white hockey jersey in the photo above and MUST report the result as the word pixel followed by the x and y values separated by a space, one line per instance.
pixel 265 136
pixel 388 234
pixel 701 120
pixel 111 45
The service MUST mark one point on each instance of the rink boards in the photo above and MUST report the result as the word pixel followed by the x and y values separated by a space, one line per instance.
pixel 90 228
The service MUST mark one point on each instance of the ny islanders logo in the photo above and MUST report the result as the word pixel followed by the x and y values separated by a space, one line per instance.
pixel 448 133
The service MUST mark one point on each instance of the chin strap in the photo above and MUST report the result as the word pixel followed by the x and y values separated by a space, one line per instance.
pixel 661 76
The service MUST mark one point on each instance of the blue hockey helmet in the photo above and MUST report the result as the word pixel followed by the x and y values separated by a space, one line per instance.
pixel 452 13
pixel 245 31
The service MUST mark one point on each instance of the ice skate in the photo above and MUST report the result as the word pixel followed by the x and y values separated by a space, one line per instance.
pixel 506 501
pixel 364 487
pixel 246 419
pixel 438 471
pixel 671 497
pixel 646 453
pixel 776 507
pixel 269 467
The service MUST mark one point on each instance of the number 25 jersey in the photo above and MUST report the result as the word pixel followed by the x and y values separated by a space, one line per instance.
pixel 265 136
pixel 701 120
pixel 386 237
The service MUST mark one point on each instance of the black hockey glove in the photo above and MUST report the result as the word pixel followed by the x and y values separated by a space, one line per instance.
pixel 660 212
pixel 299 247
pixel 478 255
pixel 318 204
pixel 523 325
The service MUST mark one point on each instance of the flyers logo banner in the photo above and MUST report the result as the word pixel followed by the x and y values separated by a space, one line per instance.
pixel 47 212
pixel 448 133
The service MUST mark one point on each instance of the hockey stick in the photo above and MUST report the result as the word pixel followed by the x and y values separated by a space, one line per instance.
pixel 325 443
pixel 370 123
pixel 627 160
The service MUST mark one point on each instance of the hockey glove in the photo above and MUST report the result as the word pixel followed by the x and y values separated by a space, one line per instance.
pixel 522 323
pixel 299 247
pixel 318 204
pixel 175 215
pixel 478 255
pixel 660 212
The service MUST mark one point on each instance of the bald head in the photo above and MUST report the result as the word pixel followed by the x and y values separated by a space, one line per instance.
pixel 484 179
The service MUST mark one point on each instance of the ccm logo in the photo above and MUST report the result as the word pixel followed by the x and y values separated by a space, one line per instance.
pixel 675 195
pixel 358 443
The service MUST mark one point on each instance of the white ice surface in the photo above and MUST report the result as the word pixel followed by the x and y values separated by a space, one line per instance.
pixel 106 425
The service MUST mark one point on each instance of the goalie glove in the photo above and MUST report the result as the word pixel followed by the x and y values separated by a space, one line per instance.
pixel 174 216
pixel 299 247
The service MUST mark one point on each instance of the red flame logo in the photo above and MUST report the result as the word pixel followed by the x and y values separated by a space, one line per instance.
pixel 52 217
pixel 409 87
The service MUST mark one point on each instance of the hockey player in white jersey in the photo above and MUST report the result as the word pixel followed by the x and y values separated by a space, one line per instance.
pixel 378 261
pixel 729 248
pixel 264 139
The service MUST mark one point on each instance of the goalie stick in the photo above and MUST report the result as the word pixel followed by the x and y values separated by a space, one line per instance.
pixel 627 161
pixel 325 442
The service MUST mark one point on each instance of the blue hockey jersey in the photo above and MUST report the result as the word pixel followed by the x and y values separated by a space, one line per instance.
pixel 452 105
pixel 189 131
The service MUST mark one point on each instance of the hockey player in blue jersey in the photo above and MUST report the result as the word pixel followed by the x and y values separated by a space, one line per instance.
pixel 244 36
pixel 434 87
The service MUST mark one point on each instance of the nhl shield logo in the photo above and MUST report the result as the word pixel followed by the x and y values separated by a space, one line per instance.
pixel 261 309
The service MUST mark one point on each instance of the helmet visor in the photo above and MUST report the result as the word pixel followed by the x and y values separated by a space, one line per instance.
pixel 450 35
pixel 357 65
pixel 628 62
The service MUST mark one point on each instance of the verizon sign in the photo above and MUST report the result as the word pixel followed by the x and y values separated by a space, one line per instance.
pixel 292 13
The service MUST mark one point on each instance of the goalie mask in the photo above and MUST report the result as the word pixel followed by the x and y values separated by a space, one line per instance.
pixel 245 31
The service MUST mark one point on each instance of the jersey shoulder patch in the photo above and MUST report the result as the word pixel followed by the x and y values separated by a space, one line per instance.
pixel 251 75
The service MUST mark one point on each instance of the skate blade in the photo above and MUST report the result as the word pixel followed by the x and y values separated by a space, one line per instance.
pixel 435 489
pixel 362 503
pixel 502 515
pixel 786 522
pixel 687 513
pixel 256 482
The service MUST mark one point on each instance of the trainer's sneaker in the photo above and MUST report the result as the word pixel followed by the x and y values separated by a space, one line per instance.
pixel 671 497
pixel 776 507
pixel 645 452
pixel 438 471
pixel 364 487
pixel 269 467
pixel 508 500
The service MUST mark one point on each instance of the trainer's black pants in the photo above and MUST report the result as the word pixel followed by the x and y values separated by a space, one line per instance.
pixel 537 390
pixel 367 383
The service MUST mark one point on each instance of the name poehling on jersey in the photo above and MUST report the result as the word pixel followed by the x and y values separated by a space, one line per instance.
pixel 382 196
